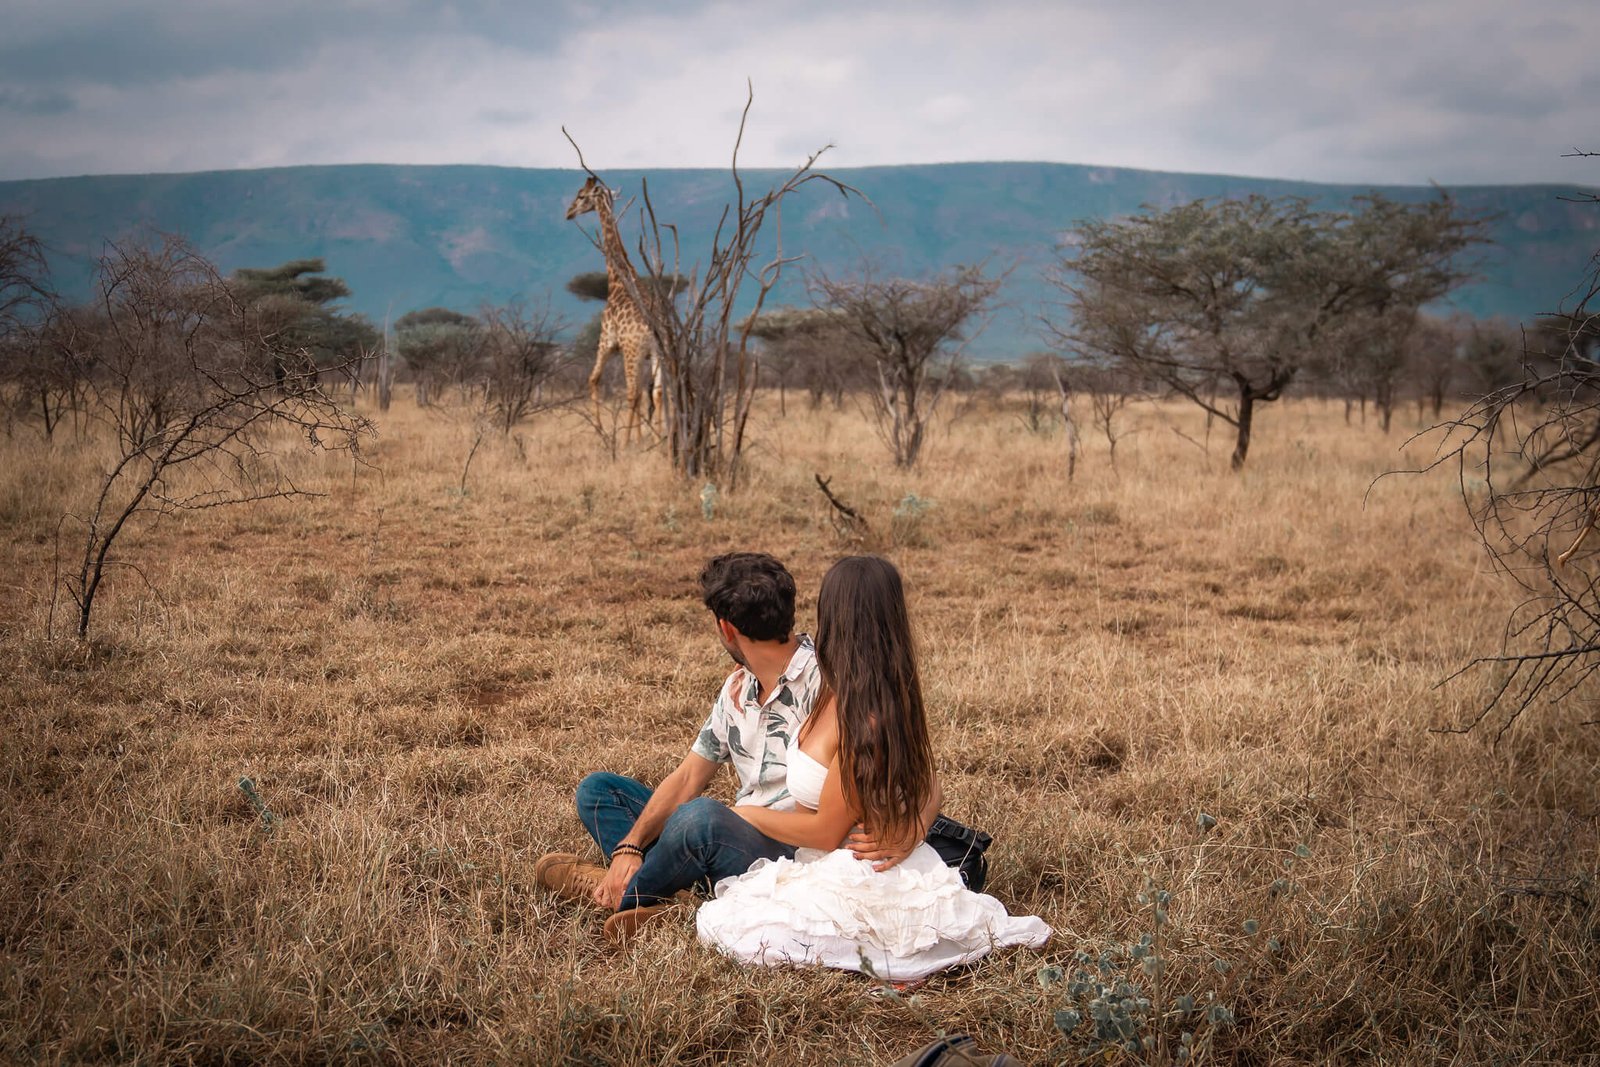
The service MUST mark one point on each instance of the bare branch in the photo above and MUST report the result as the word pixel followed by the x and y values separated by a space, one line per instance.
pixel 1527 461
pixel 847 521
pixel 578 150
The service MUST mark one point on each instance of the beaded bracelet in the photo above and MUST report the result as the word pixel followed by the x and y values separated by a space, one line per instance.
pixel 625 847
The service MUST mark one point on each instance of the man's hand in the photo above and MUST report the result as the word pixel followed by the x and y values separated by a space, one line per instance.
pixel 685 783
pixel 624 865
pixel 883 854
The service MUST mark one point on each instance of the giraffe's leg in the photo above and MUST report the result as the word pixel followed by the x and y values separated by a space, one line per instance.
pixel 647 402
pixel 631 355
pixel 601 357
pixel 660 377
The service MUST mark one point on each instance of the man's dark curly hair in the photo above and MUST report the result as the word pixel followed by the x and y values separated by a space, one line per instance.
pixel 753 591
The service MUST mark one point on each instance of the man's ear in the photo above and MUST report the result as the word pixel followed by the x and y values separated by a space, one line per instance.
pixel 730 633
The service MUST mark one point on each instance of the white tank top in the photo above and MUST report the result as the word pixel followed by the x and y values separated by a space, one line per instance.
pixel 806 776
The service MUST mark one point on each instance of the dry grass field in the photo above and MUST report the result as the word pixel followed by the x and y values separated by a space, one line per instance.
pixel 416 678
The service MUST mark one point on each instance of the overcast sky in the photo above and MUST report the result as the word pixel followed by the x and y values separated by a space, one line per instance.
pixel 1369 91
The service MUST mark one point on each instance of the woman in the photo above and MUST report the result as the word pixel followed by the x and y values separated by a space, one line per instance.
pixel 862 757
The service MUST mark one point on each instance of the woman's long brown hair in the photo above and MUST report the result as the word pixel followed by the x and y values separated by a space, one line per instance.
pixel 868 662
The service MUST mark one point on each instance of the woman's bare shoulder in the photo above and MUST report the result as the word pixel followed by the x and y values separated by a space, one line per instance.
pixel 819 738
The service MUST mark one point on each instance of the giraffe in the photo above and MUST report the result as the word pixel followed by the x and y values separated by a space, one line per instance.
pixel 623 326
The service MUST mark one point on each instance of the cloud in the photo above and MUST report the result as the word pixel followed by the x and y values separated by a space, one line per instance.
pixel 1455 90
pixel 35 101
pixel 112 44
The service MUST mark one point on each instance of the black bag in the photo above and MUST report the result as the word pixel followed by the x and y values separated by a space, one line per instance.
pixel 961 846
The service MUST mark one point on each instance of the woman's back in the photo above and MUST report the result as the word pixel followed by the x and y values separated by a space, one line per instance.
pixel 806 777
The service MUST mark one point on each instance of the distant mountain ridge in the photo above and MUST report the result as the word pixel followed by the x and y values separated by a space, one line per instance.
pixel 407 237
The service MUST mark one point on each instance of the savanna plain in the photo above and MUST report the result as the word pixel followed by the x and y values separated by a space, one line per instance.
pixel 1200 713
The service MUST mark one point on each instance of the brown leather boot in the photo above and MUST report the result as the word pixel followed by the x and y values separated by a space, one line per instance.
pixel 624 925
pixel 568 876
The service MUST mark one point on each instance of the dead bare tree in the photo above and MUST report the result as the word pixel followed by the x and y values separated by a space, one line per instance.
pixel 523 356
pixel 1065 392
pixel 1105 390
pixel 1041 388
pixel 29 373
pixel 1044 377
pixel 702 339
pixel 190 393
pixel 1435 361
pixel 910 329
pixel 1527 459
pixel 24 277
pixel 382 365
pixel 1109 391
pixel 46 372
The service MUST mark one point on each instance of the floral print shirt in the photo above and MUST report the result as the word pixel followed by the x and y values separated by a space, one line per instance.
pixel 755 736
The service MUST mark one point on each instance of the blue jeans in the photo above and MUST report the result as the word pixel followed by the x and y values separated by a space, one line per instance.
pixel 702 842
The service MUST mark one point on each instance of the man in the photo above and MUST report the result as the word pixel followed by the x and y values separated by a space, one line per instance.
pixel 672 838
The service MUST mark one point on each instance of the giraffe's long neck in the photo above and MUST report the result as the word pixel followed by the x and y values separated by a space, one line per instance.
pixel 619 269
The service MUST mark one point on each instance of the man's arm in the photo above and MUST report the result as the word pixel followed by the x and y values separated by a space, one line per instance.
pixel 823 828
pixel 686 782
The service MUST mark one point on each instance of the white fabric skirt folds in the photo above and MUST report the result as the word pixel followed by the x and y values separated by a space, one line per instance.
pixel 830 909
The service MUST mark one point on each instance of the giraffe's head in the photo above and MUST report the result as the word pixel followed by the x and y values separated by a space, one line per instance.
pixel 590 198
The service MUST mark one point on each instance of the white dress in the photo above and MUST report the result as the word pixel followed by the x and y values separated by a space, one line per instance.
pixel 830 909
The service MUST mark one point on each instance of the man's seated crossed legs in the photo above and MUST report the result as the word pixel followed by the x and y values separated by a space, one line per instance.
pixel 701 842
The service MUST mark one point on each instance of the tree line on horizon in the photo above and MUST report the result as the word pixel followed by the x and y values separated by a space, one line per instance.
pixel 1226 304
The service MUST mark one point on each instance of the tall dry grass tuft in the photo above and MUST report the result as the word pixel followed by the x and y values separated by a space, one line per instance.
pixel 413 679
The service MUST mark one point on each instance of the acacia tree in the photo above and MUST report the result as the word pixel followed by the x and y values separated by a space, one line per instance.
pixel 441 347
pixel 1374 268
pixel 189 390
pixel 295 303
pixel 1246 293
pixel 703 338
pixel 1180 296
pixel 809 347
pixel 908 329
